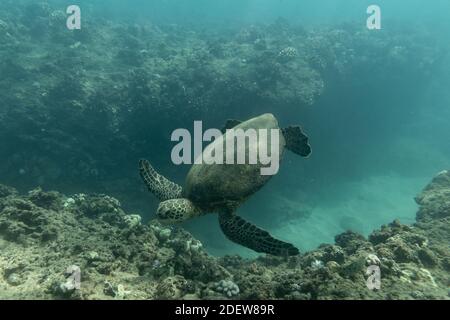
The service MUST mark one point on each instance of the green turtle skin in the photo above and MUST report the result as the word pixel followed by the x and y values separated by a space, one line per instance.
pixel 219 187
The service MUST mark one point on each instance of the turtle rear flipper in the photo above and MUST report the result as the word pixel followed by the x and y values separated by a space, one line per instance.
pixel 244 233
pixel 296 141
pixel 161 187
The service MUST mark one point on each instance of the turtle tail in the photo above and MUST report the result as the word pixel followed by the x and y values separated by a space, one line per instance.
pixel 248 235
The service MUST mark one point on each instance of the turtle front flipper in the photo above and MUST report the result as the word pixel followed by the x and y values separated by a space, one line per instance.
pixel 157 184
pixel 244 233
pixel 296 141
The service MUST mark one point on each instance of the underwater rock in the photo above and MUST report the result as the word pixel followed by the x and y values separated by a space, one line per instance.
pixel 116 291
pixel 434 201
pixel 162 233
pixel 171 288
pixel 332 253
pixel 94 205
pixel 120 259
pixel 428 258
pixel 132 220
pixel 373 260
pixel 20 220
pixel 48 200
pixel 7 191
pixel 350 241
pixel 70 287
pixel 420 276
pixel 355 266
pixel 228 288
pixel 317 265
pixel 14 279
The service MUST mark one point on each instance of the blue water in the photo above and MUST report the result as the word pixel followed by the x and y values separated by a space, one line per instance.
pixel 378 134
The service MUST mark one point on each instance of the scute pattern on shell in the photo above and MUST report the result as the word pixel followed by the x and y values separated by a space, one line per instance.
pixel 216 187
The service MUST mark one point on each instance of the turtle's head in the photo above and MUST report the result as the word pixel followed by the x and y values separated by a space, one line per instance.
pixel 176 210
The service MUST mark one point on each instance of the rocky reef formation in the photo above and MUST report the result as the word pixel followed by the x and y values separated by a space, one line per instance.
pixel 86 247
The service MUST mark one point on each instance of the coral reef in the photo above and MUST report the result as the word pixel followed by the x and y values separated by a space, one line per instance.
pixel 47 240
pixel 228 288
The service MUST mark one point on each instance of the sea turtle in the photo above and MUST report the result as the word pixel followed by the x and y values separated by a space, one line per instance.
pixel 221 188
